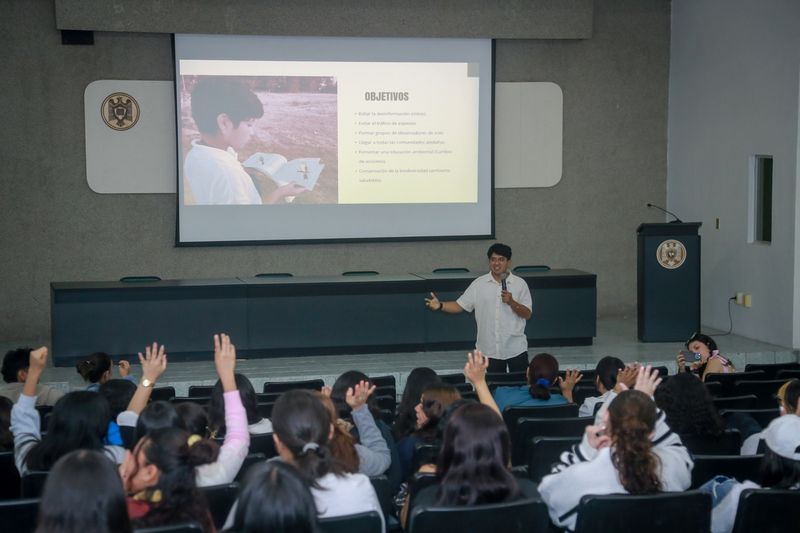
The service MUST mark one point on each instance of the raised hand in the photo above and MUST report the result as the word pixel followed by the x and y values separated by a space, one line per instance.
pixel 626 378
pixel 124 368
pixel 357 396
pixel 475 369
pixel 326 391
pixel 647 380
pixel 567 383
pixel 154 362
pixel 433 303
pixel 38 360
pixel 225 361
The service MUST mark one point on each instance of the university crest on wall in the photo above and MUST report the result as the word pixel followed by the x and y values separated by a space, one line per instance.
pixel 120 111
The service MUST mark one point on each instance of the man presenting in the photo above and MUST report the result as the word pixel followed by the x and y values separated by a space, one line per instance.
pixel 502 304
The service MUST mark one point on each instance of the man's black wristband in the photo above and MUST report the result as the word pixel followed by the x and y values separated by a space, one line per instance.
pixel 441 306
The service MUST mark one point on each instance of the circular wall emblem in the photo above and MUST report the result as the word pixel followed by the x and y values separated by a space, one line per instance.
pixel 120 111
pixel 671 254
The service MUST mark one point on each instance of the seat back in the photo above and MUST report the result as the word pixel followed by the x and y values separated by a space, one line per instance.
pixel 741 467
pixel 186 527
pixel 714 388
pixel 283 386
pixel 268 397
pixel 9 476
pixel 388 403
pixel 764 390
pixel 19 516
pixel 526 515
pixel 528 428
pixel 453 379
pixel 762 416
pixel 786 375
pixel 162 394
pixel 383 381
pixel 263 443
pixel 767 511
pixel 582 391
pixel 665 512
pixel 32 483
pixel 729 380
pixel 771 369
pixel 544 451
pixel 383 490
pixel 250 460
pixel 264 409
pixel 513 413
pixel 747 401
pixel 200 391
pixel 729 443
pixel 202 401
pixel 220 499
pixel 369 522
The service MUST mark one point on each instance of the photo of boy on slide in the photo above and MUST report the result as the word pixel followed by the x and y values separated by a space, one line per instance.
pixel 225 112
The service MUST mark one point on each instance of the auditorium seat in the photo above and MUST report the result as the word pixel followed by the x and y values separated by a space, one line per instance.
pixel 201 401
pixel 464 388
pixel 283 386
pixel 274 275
pixel 714 388
pixel 544 451
pixel 250 460
pixel 265 409
pixel 583 391
pixel 164 394
pixel 9 477
pixel 764 390
pixel 748 401
pixel 263 443
pixel 453 379
pixel 369 522
pixel 220 498
pixel 786 375
pixel 188 527
pixel 383 381
pixel 386 402
pixel 513 413
pixel 729 443
pixel 526 515
pixel 200 391
pixel 528 428
pixel 139 279
pixel 383 490
pixel 32 483
pixel 385 390
pixel 767 511
pixel 19 516
pixel 268 397
pixel 521 269
pixel 762 416
pixel 771 369
pixel 741 467
pixel 729 380
pixel 449 270
pixel 666 512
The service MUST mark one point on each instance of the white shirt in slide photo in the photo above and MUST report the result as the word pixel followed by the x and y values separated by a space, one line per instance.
pixel 217 177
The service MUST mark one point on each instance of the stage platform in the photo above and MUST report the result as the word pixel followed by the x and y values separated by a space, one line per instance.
pixel 615 336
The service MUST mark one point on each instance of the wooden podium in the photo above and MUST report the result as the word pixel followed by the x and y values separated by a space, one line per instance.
pixel 668 288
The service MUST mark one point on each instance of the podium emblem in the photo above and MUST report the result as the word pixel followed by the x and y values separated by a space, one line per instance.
pixel 671 254
pixel 120 111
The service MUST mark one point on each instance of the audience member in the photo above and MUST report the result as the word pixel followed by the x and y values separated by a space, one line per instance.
pixel 542 374
pixel 83 493
pixel 706 357
pixel 96 370
pixel 433 401
pixel 6 437
pixel 342 443
pixel 787 404
pixel 608 371
pixel 256 424
pixel 194 418
pixel 275 499
pixel 79 421
pixel 15 374
pixel 406 419
pixel 159 476
pixel 619 456
pixel 118 393
pixel 688 407
pixel 780 469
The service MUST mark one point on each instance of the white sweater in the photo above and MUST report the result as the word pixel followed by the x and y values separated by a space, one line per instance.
pixel 585 470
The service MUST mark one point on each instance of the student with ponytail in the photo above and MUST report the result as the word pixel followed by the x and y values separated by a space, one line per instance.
pixel 542 374
pixel 97 369
pixel 632 451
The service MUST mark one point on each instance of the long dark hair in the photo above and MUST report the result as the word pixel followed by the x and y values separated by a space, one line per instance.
pixel 94 366
pixel 216 407
pixel 473 463
pixel 632 418
pixel 435 399
pixel 168 450
pixel 194 418
pixel 6 437
pixel 542 374
pixel 339 392
pixel 406 420
pixel 118 393
pixel 779 472
pixel 688 406
pixel 607 369
pixel 157 415
pixel 83 493
pixel 79 421
pixel 275 498
pixel 303 425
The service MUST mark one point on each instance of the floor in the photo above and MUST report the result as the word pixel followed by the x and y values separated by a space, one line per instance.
pixel 615 336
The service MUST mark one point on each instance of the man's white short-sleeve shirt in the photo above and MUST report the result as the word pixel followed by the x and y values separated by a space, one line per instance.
pixel 501 332
pixel 217 177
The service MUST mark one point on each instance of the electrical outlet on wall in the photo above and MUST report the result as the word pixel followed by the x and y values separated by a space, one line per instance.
pixel 739 298
pixel 748 300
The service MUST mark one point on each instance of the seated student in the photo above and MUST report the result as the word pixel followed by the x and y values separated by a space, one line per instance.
pixel 118 393
pixel 472 468
pixel 83 492
pixel 159 476
pixel 15 374
pixel 780 469
pixel 303 428
pixel 787 395
pixel 688 407
pixel 6 437
pixel 368 415
pixel 257 425
pixel 237 439
pixel 633 452
pixel 405 421
pixel 225 111
pixel 97 369
pixel 274 498
pixel 542 374
pixel 433 402
pixel 707 359
pixel 607 372
pixel 79 421
pixel 342 443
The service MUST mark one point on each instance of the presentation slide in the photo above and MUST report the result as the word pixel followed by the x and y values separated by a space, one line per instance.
pixel 314 139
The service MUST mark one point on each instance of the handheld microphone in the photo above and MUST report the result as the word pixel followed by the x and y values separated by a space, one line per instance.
pixel 503 277
pixel 667 212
